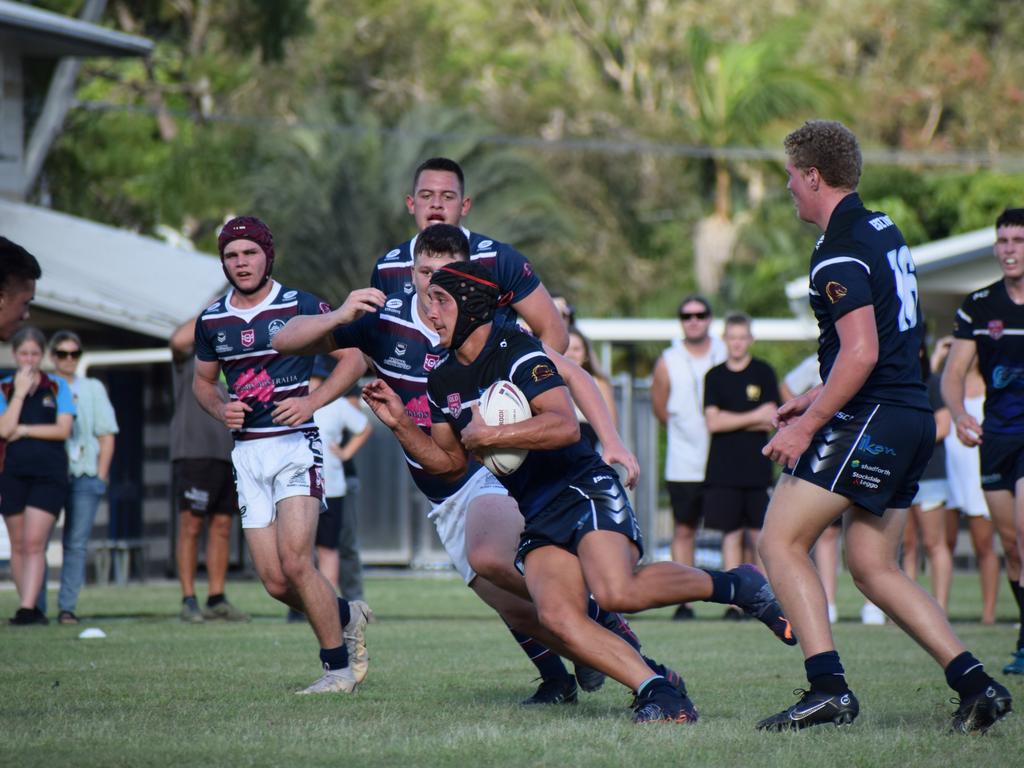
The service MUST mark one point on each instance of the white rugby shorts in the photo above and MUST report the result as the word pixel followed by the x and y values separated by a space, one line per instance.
pixel 270 469
pixel 450 518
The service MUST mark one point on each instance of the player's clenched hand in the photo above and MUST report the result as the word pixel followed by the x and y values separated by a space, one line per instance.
pixel 968 430
pixel 787 445
pixel 233 414
pixel 619 454
pixel 477 434
pixel 293 412
pixel 385 403
pixel 791 410
pixel 358 303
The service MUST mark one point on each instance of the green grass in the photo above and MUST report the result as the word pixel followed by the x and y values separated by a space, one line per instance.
pixel 445 679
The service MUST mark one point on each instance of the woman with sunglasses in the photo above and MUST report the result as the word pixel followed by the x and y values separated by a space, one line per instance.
pixel 89 450
pixel 36 414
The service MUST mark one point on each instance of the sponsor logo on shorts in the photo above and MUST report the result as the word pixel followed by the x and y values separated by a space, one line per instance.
pixel 198 499
pixel 248 337
pixel 299 479
pixel 995 477
pixel 995 329
pixel 865 481
pixel 875 449
pixel 855 464
pixel 242 511
pixel 455 404
pixel 835 291
pixel 275 326
pixel 843 416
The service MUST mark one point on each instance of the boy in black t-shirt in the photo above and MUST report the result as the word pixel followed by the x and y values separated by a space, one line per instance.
pixel 740 398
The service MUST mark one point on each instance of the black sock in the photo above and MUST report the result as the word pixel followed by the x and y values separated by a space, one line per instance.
pixel 614 622
pixel 825 673
pixel 212 600
pixel 1018 595
pixel 334 658
pixel 723 587
pixel 549 664
pixel 344 612
pixel 966 675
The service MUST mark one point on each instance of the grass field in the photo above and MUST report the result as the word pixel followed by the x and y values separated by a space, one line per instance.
pixel 444 682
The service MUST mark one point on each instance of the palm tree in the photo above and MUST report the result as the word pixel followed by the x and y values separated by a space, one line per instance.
pixel 738 91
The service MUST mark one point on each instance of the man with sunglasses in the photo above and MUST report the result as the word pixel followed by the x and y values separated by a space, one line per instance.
pixel 677 397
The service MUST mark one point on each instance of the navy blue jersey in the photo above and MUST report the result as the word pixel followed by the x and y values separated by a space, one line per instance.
pixel 393 271
pixel 861 260
pixel 256 373
pixel 512 355
pixel 404 350
pixel 995 324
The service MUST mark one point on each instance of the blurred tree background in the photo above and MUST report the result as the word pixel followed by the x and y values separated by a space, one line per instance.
pixel 631 148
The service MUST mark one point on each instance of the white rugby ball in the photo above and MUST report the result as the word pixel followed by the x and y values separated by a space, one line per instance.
pixel 503 403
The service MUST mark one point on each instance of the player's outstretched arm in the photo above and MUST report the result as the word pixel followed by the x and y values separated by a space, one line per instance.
pixel 587 395
pixel 553 425
pixel 204 386
pixel 296 411
pixel 439 453
pixel 958 363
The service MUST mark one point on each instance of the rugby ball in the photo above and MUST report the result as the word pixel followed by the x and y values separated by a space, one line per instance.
pixel 503 403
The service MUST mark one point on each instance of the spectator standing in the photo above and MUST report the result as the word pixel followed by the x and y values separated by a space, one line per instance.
pixel 36 415
pixel 90 450
pixel 204 488
pixel 581 353
pixel 741 397
pixel 677 398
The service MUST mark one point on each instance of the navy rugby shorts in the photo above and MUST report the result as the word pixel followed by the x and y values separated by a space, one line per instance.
pixel 1002 461
pixel 597 503
pixel 873 454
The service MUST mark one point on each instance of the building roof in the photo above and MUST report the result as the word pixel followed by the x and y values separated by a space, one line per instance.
pixel 46 34
pixel 110 275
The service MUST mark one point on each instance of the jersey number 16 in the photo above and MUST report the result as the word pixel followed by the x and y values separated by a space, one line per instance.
pixel 905 273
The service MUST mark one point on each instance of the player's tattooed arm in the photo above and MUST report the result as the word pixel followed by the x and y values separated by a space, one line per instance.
pixel 439 453
pixel 587 395
pixel 204 386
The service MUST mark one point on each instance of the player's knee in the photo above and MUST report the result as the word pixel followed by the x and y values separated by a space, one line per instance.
pixel 490 564
pixel 277 587
pixel 190 525
pixel 616 596
pixel 296 567
pixel 561 621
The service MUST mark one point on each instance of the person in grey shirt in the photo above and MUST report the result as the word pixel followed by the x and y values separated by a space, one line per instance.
pixel 204 488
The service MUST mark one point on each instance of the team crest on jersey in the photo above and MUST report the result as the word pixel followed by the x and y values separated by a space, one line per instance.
pixel 430 361
pixel 995 329
pixel 248 337
pixel 408 288
pixel 455 404
pixel 541 371
pixel 753 392
pixel 835 291
pixel 392 254
pixel 275 326
pixel 400 348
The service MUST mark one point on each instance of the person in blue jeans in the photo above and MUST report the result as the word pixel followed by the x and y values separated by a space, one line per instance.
pixel 90 450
